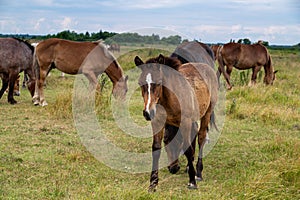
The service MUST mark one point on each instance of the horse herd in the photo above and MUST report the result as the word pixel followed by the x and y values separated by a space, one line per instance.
pixel 178 90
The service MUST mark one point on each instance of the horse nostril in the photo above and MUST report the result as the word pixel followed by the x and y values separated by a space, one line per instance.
pixel 146 115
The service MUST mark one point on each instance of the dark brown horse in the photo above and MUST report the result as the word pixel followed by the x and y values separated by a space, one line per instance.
pixel 15 56
pixel 177 95
pixel 88 58
pixel 242 56
pixel 194 52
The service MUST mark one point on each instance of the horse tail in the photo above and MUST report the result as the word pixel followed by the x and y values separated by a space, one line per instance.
pixel 221 68
pixel 36 66
pixel 220 60
pixel 269 63
pixel 213 121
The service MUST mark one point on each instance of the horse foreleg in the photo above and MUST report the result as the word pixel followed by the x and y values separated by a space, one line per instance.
pixel 255 70
pixel 4 85
pixel 173 143
pixel 40 84
pixel 202 134
pixel 12 79
pixel 156 150
pixel 93 82
pixel 36 96
pixel 227 76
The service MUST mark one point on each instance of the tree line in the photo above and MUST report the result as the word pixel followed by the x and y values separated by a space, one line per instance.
pixel 108 37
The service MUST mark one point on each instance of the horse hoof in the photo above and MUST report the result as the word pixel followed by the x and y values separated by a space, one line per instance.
pixel 44 104
pixel 198 178
pixel 174 170
pixel 12 102
pixel 192 186
pixel 152 188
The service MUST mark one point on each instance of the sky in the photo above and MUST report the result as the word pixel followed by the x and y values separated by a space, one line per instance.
pixel 209 21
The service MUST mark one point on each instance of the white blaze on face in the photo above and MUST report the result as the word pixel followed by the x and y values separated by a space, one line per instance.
pixel 149 81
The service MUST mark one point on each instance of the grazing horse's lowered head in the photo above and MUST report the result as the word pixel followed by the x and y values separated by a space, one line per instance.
pixel 120 88
pixel 15 56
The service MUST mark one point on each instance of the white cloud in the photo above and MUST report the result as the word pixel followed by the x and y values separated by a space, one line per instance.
pixel 146 4
pixel 66 23
pixel 38 24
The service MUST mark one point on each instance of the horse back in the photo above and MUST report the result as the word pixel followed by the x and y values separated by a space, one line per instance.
pixel 67 56
pixel 194 52
pixel 203 80
pixel 14 55
pixel 244 56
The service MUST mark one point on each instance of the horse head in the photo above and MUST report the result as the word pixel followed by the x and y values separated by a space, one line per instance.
pixel 150 82
pixel 17 87
pixel 120 88
pixel 269 80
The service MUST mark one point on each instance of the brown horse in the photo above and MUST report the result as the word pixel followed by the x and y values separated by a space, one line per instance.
pixel 114 47
pixel 15 56
pixel 177 95
pixel 242 56
pixel 88 58
pixel 194 51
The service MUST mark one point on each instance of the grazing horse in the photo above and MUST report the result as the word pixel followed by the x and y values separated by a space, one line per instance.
pixel 187 93
pixel 194 51
pixel 243 56
pixel 114 47
pixel 15 56
pixel 88 58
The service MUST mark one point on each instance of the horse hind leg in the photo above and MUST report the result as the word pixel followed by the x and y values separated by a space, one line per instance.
pixel 202 135
pixel 189 153
pixel 185 128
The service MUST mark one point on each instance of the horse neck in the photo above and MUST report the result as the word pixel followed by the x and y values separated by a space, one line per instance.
pixel 269 67
pixel 168 88
pixel 114 72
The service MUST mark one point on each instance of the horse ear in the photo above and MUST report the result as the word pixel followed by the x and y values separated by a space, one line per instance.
pixel 138 61
pixel 161 59
pixel 126 78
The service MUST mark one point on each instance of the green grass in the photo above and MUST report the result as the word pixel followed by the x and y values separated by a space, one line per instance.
pixel 257 155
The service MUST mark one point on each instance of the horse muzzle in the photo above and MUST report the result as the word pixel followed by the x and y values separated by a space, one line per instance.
pixel 149 115
pixel 17 93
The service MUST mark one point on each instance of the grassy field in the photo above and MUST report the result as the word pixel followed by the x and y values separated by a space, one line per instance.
pixel 257 156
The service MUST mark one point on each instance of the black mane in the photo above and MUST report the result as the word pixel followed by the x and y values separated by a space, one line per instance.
pixel 25 42
pixel 169 61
